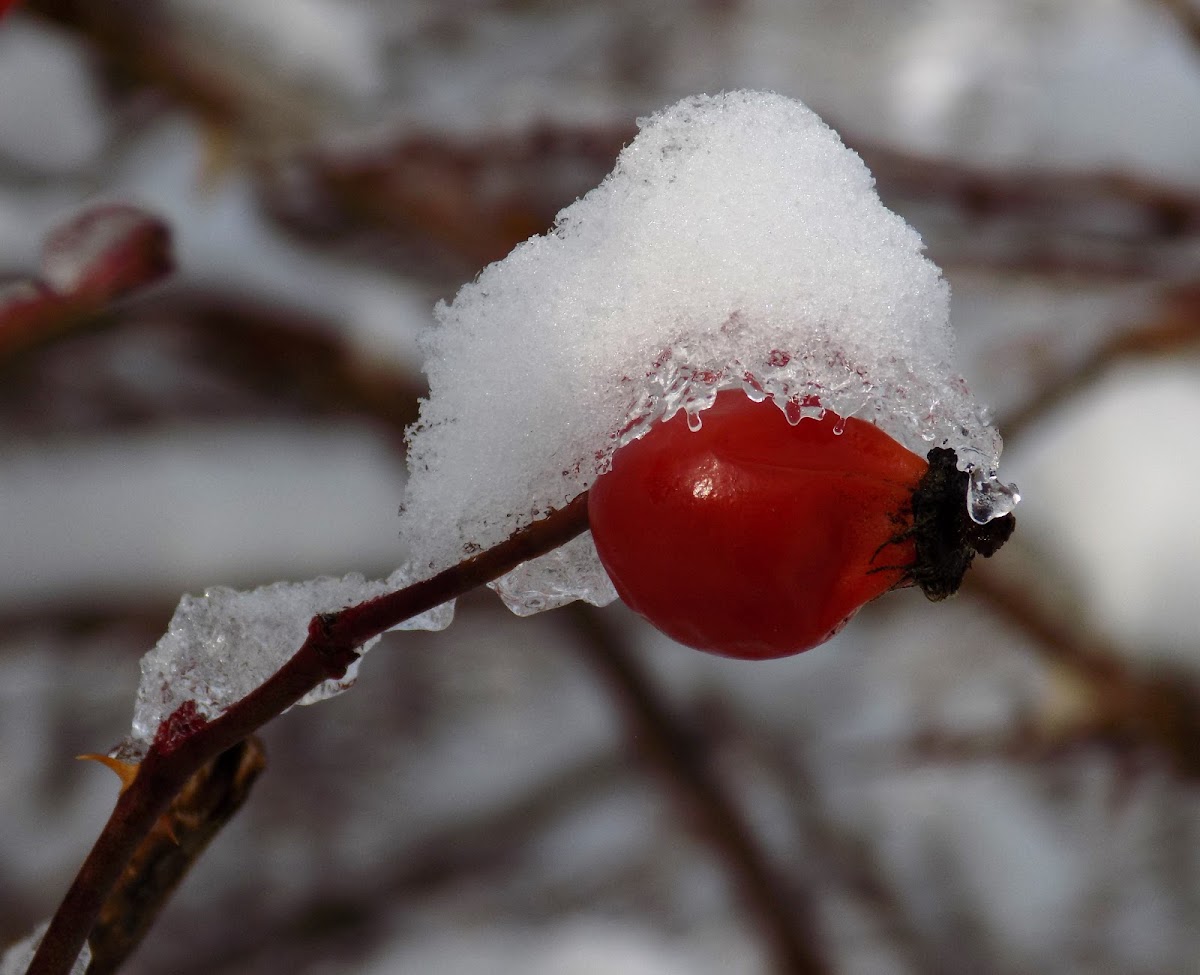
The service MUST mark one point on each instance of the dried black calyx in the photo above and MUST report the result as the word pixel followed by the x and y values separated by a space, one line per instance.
pixel 947 538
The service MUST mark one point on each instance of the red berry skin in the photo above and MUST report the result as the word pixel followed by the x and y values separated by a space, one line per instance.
pixel 752 537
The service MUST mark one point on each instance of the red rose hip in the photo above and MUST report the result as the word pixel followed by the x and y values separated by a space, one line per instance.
pixel 752 537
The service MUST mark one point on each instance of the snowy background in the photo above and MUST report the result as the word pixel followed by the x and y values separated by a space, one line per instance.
pixel 1007 783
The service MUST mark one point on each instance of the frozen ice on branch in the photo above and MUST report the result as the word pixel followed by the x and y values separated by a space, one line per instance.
pixel 736 243
pixel 222 645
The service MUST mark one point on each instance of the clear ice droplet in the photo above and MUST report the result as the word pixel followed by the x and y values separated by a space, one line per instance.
pixel 753 391
pixel 988 498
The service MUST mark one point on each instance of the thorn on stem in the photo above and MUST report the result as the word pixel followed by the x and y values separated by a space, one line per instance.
pixel 126 771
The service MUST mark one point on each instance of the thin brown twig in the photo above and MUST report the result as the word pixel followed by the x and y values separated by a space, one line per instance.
pixel 1176 327
pixel 185 741
pixel 90 261
pixel 786 916
pixel 141 43
pixel 1187 16
pixel 1157 708
pixel 273 360
pixel 273 347
pixel 207 802
pixel 473 199
pixel 439 201
pixel 1164 210
pixel 478 847
pixel 841 854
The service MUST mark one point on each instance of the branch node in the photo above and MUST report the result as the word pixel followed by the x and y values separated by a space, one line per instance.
pixel 335 652
pixel 179 725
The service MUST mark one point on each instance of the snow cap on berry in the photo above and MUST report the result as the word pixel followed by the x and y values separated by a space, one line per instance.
pixel 736 243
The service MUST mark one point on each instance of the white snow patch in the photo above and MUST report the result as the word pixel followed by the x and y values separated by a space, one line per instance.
pixel 979 840
pixel 586 946
pixel 736 243
pixel 40 682
pixel 166 511
pixel 331 42
pixel 51 116
pixel 1029 83
pixel 1113 501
